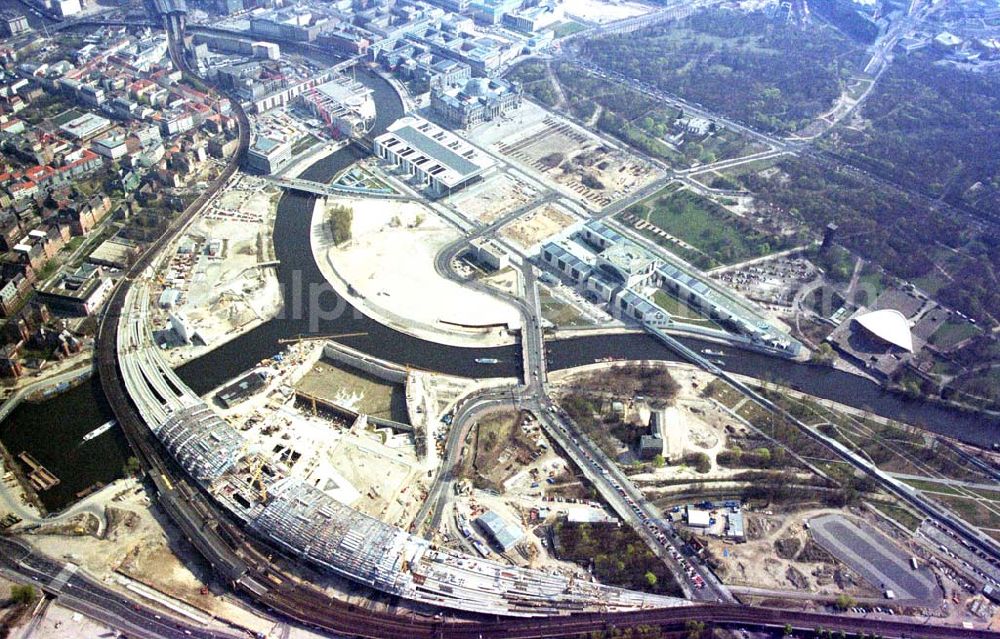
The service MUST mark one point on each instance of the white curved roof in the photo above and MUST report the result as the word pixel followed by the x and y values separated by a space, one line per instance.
pixel 888 325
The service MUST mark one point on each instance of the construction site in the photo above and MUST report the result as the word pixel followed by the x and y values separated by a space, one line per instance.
pixel 494 197
pixel 220 280
pixel 387 270
pixel 531 229
pixel 580 164
pixel 760 512
pixel 121 539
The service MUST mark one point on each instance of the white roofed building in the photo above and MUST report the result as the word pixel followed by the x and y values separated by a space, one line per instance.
pixel 889 326
pixel 438 159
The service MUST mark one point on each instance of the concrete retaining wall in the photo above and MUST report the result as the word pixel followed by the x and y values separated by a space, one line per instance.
pixel 382 370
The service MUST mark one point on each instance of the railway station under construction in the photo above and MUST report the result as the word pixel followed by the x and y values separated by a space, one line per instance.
pixel 312 525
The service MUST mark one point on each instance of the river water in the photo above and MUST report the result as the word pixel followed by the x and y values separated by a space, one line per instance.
pixel 52 431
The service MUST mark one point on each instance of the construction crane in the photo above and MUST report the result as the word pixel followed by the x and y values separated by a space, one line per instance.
pixel 311 338
pixel 257 475
pixel 255 462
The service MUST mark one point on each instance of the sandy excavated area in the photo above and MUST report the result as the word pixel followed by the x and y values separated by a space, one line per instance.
pixel 552 149
pixel 390 263
pixel 62 623
pixel 802 566
pixel 493 198
pixel 142 546
pixel 228 294
pixel 537 226
pixel 602 12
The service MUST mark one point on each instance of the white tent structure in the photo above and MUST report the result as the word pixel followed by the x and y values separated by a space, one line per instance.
pixel 888 325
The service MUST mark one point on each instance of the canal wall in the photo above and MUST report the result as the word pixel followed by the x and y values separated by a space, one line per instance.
pixel 356 359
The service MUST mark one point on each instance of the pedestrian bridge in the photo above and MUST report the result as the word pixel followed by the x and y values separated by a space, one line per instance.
pixel 319 188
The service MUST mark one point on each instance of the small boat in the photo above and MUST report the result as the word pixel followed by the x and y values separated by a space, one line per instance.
pixel 709 351
pixel 719 362
pixel 487 360
pixel 100 430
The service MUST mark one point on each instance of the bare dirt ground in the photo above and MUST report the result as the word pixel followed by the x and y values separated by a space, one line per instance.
pixel 217 267
pixel 537 226
pixel 139 544
pixel 780 554
pixel 389 263
pixel 493 198
pixel 358 392
pixel 585 165
pixel 57 622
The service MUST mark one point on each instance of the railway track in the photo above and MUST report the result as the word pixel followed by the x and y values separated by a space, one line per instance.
pixel 243 563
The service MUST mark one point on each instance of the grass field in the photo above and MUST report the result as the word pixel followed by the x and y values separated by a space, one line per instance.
pixel 952 332
pixel 304 144
pixel 681 311
pixel 558 312
pixel 976 512
pixel 701 223
pixel 932 487
pixel 569 27
pixel 870 286
pixel 902 516
pixel 723 393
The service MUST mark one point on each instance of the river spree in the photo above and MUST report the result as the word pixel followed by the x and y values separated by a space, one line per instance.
pixel 52 431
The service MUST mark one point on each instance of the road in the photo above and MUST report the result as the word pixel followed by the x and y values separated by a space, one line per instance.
pixel 80 592
pixel 627 501
pixel 468 413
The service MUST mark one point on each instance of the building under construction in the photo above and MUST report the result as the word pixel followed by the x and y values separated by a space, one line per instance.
pixel 310 524
pixel 344 105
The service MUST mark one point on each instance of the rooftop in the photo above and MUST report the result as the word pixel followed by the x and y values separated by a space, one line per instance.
pixel 85 126
pixel 628 257
pixel 889 325
pixel 505 534
pixel 440 153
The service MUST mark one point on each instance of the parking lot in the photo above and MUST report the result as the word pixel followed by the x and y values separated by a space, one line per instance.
pixel 877 559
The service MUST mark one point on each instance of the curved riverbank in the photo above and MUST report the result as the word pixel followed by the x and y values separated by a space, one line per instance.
pixel 438 310
pixel 52 431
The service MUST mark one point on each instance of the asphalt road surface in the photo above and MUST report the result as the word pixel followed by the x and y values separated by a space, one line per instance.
pixel 874 557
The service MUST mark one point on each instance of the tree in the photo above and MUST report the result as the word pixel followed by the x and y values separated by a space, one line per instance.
pixel 824 354
pixel 658 461
pixel 694 629
pixel 764 455
pixel 844 602
pixel 132 467
pixel 25 594
pixel 340 219
pixel 788 630
pixel 650 579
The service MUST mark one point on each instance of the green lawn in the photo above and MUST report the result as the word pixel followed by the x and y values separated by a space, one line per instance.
pixel 972 510
pixel 560 313
pixel 872 284
pixel 569 27
pixel 952 332
pixel 902 516
pixel 679 310
pixel 932 487
pixel 304 144
pixel 721 238
pixel 65 117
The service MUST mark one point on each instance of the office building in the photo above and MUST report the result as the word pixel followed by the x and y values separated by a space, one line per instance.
pixel 268 155
pixel 476 101
pixel 437 159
